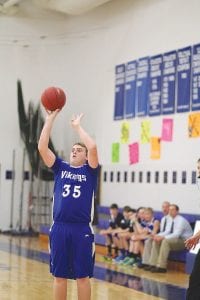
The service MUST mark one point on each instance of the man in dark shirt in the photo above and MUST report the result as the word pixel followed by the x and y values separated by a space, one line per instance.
pixel 114 223
pixel 193 291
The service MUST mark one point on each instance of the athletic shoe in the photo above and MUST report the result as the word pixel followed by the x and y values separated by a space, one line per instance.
pixel 141 266
pixel 158 270
pixel 129 261
pixel 119 258
pixel 107 258
pixel 124 260
pixel 137 262
pixel 149 268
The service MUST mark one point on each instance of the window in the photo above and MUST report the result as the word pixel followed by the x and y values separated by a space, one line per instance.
pixel 165 177
pixel 148 177
pixel 174 177
pixel 125 176
pixel 184 177
pixel 194 176
pixel 111 176
pixel 105 176
pixel 133 177
pixel 156 177
pixel 140 176
pixel 118 176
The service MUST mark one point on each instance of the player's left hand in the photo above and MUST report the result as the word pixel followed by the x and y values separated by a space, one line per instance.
pixel 76 120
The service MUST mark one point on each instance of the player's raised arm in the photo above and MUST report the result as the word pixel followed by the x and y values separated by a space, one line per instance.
pixel 86 139
pixel 43 144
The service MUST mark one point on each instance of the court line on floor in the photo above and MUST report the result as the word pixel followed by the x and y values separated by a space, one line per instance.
pixel 138 283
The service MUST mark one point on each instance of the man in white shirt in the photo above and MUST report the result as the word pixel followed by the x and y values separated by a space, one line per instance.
pixel 179 230
pixel 163 231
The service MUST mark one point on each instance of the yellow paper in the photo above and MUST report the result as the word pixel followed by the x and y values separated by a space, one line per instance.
pixel 125 132
pixel 145 132
pixel 155 148
pixel 194 125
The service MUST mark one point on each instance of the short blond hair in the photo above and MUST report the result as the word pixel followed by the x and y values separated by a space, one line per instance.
pixel 82 145
pixel 149 210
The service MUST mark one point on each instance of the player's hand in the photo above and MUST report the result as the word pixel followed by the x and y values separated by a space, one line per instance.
pixel 76 121
pixel 52 114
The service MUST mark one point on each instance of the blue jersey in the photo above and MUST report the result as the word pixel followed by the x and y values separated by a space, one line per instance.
pixel 73 192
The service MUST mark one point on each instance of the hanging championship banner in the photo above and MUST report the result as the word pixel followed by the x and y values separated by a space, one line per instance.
pixel 155 88
pixel 142 86
pixel 196 78
pixel 183 79
pixel 119 92
pixel 130 89
pixel 169 82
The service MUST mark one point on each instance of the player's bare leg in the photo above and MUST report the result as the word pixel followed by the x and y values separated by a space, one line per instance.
pixel 60 288
pixel 84 288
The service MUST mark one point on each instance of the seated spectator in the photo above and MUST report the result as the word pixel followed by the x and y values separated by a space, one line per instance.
pixel 114 223
pixel 166 219
pixel 142 231
pixel 140 214
pixel 122 235
pixel 126 236
pixel 179 230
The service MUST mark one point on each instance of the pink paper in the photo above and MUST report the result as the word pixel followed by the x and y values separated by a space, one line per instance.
pixel 167 130
pixel 133 153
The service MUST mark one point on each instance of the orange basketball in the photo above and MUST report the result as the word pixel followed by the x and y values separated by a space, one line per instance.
pixel 53 98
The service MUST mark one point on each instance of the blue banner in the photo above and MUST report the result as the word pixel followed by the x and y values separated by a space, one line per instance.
pixel 183 79
pixel 196 78
pixel 155 87
pixel 119 92
pixel 130 89
pixel 142 86
pixel 169 82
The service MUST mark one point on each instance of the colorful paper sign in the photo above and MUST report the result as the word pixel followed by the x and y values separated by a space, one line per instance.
pixel 155 148
pixel 125 132
pixel 194 125
pixel 133 153
pixel 145 132
pixel 115 152
pixel 167 130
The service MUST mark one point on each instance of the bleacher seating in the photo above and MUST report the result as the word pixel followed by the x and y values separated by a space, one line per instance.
pixel 103 223
pixel 103 212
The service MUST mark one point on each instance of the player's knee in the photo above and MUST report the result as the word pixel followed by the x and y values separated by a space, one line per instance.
pixel 164 242
pixel 59 280
pixel 82 281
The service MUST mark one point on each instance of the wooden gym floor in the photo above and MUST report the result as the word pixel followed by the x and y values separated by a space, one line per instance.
pixel 24 275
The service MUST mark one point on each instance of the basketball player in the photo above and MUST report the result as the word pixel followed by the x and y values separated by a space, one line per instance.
pixel 193 291
pixel 71 236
